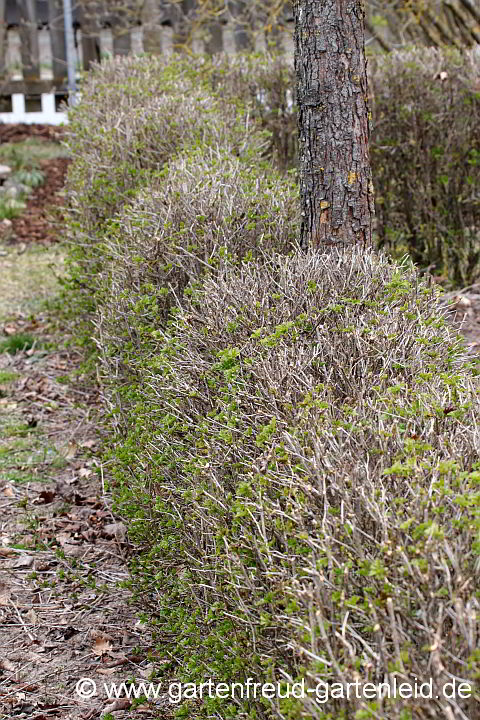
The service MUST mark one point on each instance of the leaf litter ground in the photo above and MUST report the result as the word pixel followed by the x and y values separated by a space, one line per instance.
pixel 64 613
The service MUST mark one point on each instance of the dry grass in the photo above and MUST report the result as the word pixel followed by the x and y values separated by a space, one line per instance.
pixel 28 278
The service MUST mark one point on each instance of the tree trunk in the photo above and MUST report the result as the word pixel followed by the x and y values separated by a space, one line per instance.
pixel 333 121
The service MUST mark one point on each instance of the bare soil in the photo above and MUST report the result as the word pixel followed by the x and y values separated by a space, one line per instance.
pixel 37 224
pixel 22 131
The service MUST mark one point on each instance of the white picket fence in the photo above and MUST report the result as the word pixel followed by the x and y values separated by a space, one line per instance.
pixel 43 109
pixel 23 108
pixel 48 114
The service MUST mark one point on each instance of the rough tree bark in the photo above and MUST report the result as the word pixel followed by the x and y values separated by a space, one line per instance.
pixel 333 121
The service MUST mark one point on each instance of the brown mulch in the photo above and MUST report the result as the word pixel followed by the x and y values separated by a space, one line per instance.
pixel 21 131
pixel 34 225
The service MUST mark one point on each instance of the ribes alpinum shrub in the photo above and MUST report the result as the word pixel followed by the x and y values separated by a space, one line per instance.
pixel 294 436
pixel 425 152
pixel 135 116
pixel 210 206
pixel 136 113
pixel 302 465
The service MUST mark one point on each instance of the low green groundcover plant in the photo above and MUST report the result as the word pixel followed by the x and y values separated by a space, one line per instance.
pixel 16 343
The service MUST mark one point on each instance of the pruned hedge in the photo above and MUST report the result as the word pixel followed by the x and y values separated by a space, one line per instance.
pixel 139 112
pixel 425 152
pixel 211 207
pixel 294 436
pixel 302 464
pixel 136 115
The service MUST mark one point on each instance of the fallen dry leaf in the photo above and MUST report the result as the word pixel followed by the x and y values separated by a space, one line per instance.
pixel 31 616
pixel 101 646
pixel 23 561
pixel 115 661
pixel 8 491
pixel 64 538
pixel 7 552
pixel 69 451
pixel 10 329
pixel 73 550
pixel 7 404
pixel 117 530
pixel 107 671
pixel 120 704
pixel 37 657
pixel 7 665
pixel 88 443
pixel 47 496
pixel 5 595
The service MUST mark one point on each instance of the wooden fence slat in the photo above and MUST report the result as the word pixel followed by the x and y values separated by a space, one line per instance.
pixel 57 40
pixel 28 31
pixel 3 36
pixel 212 24
pixel 123 18
pixel 182 14
pixel 122 43
pixel 152 16
pixel 88 17
pixel 213 37
pixel 243 39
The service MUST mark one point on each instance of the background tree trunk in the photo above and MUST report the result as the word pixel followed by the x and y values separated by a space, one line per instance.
pixel 333 121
